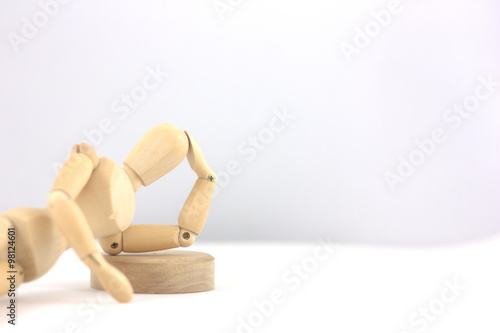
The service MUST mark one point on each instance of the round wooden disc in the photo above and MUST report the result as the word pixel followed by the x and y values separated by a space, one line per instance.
pixel 166 272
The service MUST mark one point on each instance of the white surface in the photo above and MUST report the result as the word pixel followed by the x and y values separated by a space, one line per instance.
pixel 355 289
pixel 323 173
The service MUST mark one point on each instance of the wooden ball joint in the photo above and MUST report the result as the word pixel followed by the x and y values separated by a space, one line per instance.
pixel 93 197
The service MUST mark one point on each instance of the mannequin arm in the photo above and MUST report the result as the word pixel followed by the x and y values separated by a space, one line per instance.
pixel 147 238
pixel 195 211
pixel 142 238
pixel 71 221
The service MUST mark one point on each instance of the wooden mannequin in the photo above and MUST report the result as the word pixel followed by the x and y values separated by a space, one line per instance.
pixel 94 198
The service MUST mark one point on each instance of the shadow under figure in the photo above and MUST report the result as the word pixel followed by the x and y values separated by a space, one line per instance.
pixel 93 197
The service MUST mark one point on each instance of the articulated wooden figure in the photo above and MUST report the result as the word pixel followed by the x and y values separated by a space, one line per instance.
pixel 94 198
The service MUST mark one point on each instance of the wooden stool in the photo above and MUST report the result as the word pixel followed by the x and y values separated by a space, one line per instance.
pixel 165 272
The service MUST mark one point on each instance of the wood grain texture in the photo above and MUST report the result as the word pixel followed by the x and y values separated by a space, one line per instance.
pixel 94 197
pixel 74 175
pixel 165 272
pixel 149 238
pixel 108 199
pixel 39 243
pixel 194 213
pixel 160 150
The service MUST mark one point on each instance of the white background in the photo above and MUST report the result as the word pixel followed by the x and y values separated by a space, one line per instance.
pixel 349 289
pixel 323 174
